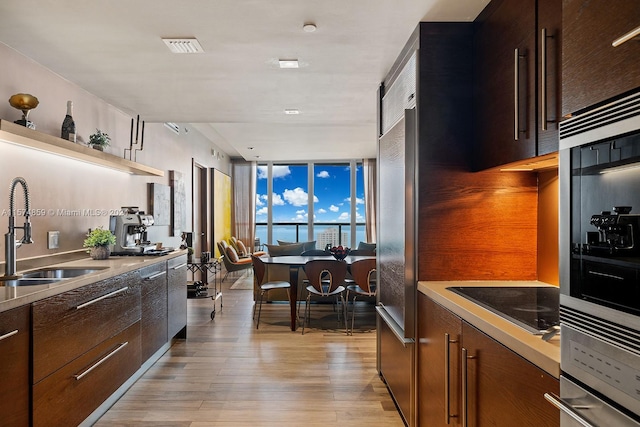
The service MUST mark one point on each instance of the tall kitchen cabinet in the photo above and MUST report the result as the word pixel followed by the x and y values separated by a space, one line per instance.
pixel 517 82
pixel 15 335
pixel 599 53
pixel 466 378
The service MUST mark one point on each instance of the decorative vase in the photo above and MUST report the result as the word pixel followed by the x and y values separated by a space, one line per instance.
pixel 100 252
pixel 98 147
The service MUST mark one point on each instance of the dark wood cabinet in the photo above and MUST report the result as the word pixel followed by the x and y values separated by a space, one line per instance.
pixel 177 297
pixel 502 388
pixel 153 296
pixel 593 70
pixel 14 367
pixel 516 81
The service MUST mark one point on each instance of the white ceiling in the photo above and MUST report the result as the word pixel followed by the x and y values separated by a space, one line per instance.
pixel 234 93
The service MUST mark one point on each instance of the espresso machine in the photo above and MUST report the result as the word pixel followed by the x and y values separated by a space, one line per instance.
pixel 130 230
pixel 618 232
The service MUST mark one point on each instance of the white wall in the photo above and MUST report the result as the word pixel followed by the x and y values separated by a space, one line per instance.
pixel 60 183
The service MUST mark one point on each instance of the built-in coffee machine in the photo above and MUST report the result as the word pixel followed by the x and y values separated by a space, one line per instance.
pixel 618 232
pixel 130 230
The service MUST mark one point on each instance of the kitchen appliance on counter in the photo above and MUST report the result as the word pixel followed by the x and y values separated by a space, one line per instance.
pixel 130 230
pixel 600 270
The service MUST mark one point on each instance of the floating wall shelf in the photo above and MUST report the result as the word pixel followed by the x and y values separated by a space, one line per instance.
pixel 20 135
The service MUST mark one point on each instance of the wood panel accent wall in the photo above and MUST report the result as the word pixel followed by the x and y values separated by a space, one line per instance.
pixel 548 249
pixel 473 225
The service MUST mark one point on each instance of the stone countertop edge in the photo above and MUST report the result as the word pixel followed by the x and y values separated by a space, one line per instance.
pixel 17 296
pixel 545 355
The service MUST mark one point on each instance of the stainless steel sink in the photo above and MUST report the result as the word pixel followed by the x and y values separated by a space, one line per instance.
pixel 60 273
pixel 29 282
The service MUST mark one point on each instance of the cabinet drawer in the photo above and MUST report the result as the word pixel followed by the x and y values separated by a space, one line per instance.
pixel 66 326
pixel 73 392
pixel 14 367
pixel 177 294
pixel 153 322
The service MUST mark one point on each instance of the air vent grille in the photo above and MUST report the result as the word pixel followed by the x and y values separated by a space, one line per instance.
pixel 183 45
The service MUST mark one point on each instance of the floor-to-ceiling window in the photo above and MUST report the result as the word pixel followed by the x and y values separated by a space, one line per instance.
pixel 285 211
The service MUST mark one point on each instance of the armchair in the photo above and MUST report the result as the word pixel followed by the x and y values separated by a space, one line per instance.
pixel 231 260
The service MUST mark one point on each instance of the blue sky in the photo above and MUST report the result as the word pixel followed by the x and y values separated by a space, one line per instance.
pixel 332 202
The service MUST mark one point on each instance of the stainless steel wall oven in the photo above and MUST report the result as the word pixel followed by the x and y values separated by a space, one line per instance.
pixel 600 265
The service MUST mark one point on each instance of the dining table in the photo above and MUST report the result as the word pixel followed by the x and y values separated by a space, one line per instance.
pixel 295 262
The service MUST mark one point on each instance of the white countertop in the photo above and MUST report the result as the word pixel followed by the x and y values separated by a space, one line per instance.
pixel 16 296
pixel 545 355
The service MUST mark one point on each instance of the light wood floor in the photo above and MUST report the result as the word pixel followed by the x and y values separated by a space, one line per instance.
pixel 227 373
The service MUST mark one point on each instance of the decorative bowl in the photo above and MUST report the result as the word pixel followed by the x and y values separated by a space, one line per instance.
pixel 340 252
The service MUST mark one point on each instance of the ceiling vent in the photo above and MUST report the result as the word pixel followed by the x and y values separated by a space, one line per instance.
pixel 183 45
pixel 174 127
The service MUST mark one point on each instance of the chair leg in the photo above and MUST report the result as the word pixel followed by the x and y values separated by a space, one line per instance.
pixel 307 313
pixel 259 309
pixel 353 313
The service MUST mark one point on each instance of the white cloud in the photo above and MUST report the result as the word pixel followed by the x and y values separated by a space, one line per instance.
pixel 278 172
pixel 297 197
pixel 259 200
pixel 334 208
pixel 277 200
pixel 262 211
pixel 358 201
pixel 343 216
pixel 323 174
pixel 321 211
pixel 301 211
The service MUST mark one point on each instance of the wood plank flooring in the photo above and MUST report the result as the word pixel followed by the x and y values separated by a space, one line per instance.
pixel 228 374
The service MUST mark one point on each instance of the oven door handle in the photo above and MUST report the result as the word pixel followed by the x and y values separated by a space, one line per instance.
pixel 565 407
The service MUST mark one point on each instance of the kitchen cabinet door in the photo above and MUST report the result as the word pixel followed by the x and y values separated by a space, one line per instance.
pixel 14 367
pixel 503 389
pixel 153 296
pixel 593 70
pixel 177 297
pixel 516 101
pixel 439 334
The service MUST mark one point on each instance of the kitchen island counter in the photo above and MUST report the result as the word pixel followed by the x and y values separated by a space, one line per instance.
pixel 16 296
pixel 545 355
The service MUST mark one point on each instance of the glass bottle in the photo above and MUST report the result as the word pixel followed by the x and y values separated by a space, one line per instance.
pixel 68 125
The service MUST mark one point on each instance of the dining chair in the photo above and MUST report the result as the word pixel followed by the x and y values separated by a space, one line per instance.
pixel 259 269
pixel 325 278
pixel 363 284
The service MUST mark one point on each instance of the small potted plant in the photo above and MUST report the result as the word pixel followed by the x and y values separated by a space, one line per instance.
pixel 100 242
pixel 99 140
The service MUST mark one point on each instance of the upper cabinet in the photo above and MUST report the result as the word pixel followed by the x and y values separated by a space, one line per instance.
pixel 517 81
pixel 600 52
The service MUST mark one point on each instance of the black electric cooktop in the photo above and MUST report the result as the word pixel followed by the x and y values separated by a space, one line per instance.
pixel 535 309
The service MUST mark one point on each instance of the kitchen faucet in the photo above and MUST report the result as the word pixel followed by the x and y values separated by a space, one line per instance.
pixel 10 242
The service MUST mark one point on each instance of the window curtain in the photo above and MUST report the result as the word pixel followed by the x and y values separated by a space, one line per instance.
pixel 243 209
pixel 370 199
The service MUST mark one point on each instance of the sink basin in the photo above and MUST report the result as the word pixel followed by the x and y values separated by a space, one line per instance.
pixel 59 273
pixel 28 282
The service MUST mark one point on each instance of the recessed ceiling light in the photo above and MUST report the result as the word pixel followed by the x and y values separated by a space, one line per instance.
pixel 291 111
pixel 288 63
pixel 309 27
pixel 183 45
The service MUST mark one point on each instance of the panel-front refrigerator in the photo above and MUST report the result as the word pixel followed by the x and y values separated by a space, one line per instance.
pixel 396 252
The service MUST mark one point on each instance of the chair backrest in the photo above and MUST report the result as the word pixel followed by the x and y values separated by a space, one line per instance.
pixel 234 243
pixel 259 269
pixel 316 269
pixel 241 248
pixel 363 272
pixel 316 252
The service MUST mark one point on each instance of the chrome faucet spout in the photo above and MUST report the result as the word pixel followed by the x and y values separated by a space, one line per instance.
pixel 10 242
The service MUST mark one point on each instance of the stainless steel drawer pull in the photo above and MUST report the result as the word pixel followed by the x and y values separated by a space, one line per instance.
pixel 567 409
pixel 626 37
pixel 179 266
pixel 516 94
pixel 610 276
pixel 153 276
pixel 101 361
pixel 447 380
pixel 465 387
pixel 93 301
pixel 7 335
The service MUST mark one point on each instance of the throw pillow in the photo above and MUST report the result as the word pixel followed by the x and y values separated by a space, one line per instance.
pixel 285 250
pixel 366 246
pixel 232 255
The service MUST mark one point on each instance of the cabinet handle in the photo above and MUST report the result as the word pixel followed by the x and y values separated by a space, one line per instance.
pixel 516 93
pixel 7 335
pixel 543 78
pixel 465 387
pixel 447 383
pixel 626 37
pixel 101 361
pixel 93 301
pixel 153 276
pixel 567 409
pixel 178 267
